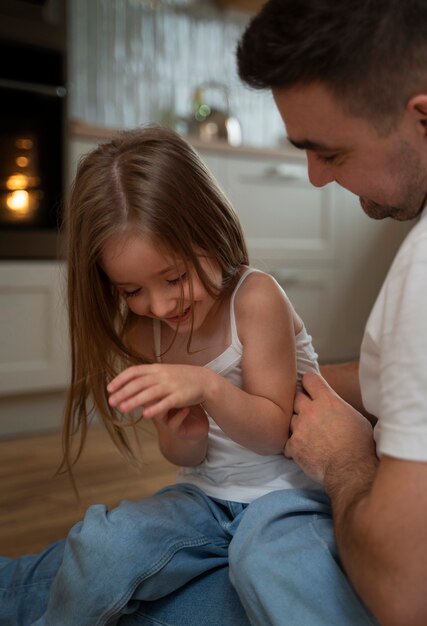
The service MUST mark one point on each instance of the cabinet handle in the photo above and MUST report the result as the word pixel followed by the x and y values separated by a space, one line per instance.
pixel 286 171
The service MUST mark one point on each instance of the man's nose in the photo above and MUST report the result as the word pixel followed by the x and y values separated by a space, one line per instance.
pixel 319 174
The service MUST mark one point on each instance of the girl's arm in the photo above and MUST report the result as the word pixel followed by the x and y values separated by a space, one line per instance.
pixel 257 416
pixel 183 435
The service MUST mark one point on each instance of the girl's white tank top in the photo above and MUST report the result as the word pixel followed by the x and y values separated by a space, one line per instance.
pixel 230 471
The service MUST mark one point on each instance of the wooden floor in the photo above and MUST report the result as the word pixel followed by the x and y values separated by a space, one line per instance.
pixel 37 507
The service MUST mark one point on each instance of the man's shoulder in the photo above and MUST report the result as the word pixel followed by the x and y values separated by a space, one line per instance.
pixel 417 236
pixel 413 248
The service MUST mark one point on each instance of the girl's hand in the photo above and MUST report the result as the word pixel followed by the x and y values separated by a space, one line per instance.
pixel 158 388
pixel 187 423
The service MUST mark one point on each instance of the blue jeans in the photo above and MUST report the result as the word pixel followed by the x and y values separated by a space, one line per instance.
pixel 285 566
pixel 113 561
pixel 208 600
pixel 164 561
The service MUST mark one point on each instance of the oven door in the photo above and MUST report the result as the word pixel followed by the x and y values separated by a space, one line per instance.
pixel 31 156
pixel 32 122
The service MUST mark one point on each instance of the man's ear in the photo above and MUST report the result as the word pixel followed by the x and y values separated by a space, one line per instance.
pixel 417 109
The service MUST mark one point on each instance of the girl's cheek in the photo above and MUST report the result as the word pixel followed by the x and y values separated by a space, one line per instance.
pixel 137 307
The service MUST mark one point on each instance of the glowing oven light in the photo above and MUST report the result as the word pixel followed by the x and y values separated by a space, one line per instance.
pixel 18 202
pixel 22 161
pixel 24 144
pixel 16 182
pixel 22 197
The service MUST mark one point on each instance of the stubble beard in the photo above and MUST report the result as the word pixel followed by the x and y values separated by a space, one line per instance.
pixel 399 213
pixel 410 173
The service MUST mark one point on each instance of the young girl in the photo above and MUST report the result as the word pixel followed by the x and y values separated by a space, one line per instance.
pixel 169 324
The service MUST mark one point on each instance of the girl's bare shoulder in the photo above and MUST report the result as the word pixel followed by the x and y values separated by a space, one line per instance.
pixel 259 290
pixel 261 298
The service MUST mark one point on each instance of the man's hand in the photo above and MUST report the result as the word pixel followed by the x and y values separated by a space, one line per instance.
pixel 327 434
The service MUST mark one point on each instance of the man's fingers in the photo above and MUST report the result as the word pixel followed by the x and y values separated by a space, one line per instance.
pixel 300 399
pixel 292 422
pixel 314 384
pixel 288 449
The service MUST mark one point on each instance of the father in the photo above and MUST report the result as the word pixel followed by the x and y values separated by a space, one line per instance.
pixel 350 81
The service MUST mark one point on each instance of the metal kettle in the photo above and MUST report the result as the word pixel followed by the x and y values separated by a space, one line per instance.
pixel 211 124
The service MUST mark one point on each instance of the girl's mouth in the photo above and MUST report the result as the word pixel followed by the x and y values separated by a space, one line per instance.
pixel 180 319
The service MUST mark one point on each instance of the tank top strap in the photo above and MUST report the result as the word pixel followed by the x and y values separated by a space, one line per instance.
pixel 233 325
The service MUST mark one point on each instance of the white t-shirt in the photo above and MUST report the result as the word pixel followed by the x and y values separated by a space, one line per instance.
pixel 393 358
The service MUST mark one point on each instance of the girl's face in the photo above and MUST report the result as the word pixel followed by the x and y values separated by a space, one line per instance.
pixel 156 284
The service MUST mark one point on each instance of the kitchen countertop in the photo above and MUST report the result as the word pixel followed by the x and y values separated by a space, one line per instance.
pixel 83 130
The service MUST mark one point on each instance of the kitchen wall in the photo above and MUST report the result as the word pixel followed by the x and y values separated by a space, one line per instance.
pixel 134 61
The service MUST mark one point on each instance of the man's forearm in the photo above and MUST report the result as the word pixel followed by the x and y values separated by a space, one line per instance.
pixel 381 550
pixel 379 506
pixel 349 488
pixel 344 380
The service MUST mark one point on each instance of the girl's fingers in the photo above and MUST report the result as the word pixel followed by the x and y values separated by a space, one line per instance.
pixel 131 389
pixel 153 399
pixel 127 375
pixel 157 408
pixel 175 418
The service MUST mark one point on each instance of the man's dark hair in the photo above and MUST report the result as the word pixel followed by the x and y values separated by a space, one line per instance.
pixel 370 54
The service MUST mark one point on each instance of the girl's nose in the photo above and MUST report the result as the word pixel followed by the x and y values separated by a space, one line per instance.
pixel 162 306
pixel 320 174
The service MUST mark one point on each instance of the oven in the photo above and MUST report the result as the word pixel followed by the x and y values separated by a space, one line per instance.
pixel 32 121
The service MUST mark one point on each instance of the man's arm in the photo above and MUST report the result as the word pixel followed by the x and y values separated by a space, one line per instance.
pixel 379 507
pixel 380 525
pixel 344 380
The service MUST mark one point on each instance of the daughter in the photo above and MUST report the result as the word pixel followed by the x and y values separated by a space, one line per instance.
pixel 169 323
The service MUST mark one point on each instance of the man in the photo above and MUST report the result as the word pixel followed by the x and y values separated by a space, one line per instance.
pixel 350 81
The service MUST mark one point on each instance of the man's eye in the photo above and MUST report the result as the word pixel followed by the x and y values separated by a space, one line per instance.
pixel 175 281
pixel 327 159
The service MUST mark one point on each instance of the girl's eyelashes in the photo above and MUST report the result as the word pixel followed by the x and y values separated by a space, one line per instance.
pixel 175 281
pixel 131 294
pixel 171 281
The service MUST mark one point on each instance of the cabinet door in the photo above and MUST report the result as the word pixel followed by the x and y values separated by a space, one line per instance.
pixel 313 295
pixel 282 214
pixel 33 328
pixel 217 165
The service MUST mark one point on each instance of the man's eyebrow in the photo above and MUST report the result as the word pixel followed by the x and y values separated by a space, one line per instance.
pixel 306 144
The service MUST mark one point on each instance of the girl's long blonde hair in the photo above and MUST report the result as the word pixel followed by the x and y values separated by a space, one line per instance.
pixel 149 181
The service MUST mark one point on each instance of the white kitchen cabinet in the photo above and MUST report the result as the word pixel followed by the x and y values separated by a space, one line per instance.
pixel 33 328
pixel 283 215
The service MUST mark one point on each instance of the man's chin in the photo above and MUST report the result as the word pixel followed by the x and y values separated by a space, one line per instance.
pixel 374 210
pixel 381 211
